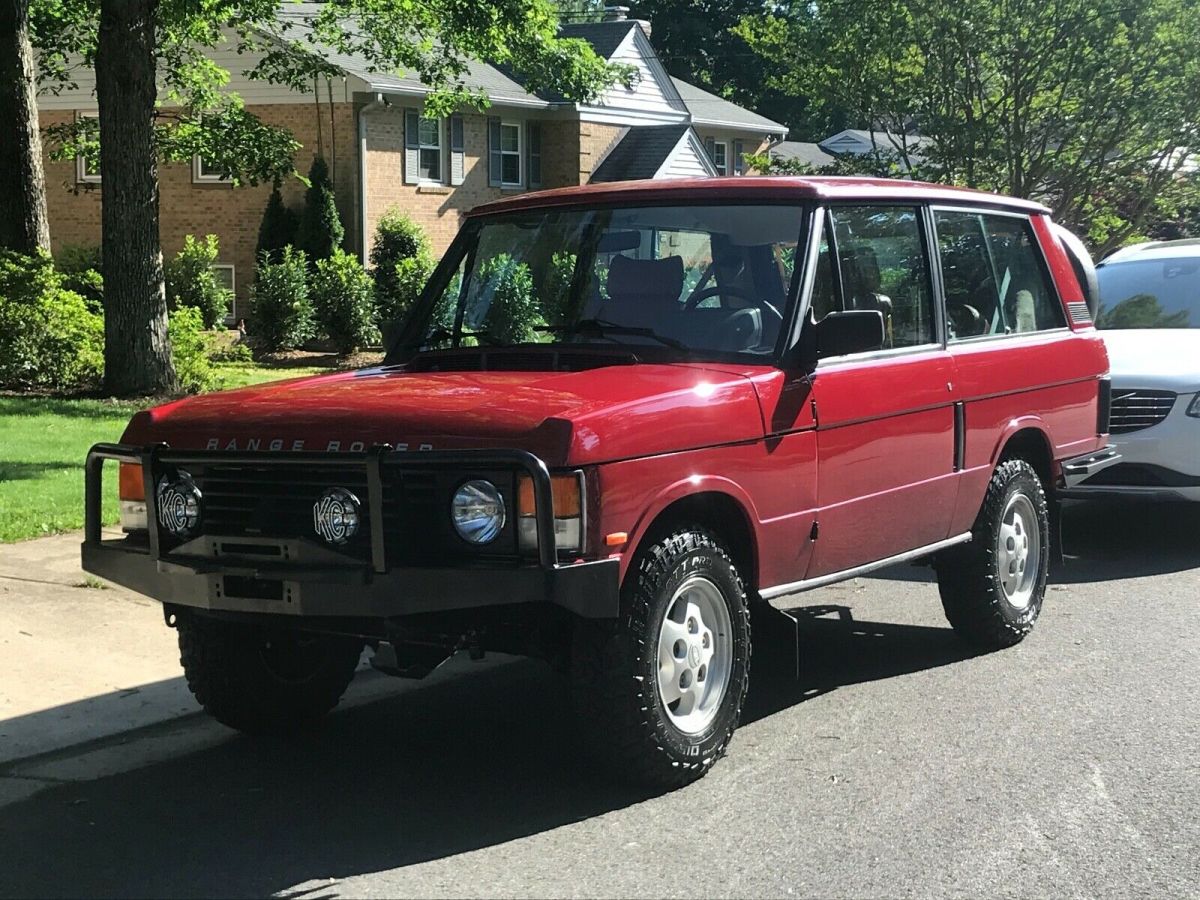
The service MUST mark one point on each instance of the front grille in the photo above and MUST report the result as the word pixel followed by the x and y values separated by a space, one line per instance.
pixel 244 501
pixel 1138 409
pixel 275 501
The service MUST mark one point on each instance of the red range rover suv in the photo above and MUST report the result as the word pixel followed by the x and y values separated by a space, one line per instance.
pixel 618 417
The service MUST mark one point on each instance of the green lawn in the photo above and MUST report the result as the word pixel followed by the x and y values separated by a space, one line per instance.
pixel 43 442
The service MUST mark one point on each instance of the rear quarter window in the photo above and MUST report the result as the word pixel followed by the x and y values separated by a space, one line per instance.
pixel 994 277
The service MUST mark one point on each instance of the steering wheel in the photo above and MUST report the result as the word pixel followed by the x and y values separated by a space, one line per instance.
pixel 729 291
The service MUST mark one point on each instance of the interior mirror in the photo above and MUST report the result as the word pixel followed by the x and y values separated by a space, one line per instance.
pixel 617 241
pixel 852 331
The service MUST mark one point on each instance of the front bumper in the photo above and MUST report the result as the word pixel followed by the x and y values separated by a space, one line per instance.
pixel 1161 462
pixel 315 580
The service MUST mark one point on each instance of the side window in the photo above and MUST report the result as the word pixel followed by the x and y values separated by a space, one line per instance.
pixel 882 261
pixel 995 281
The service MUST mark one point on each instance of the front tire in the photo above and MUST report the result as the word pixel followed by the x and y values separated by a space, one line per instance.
pixel 659 695
pixel 992 588
pixel 261 681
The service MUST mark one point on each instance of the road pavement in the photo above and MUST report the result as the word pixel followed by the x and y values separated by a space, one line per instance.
pixel 899 765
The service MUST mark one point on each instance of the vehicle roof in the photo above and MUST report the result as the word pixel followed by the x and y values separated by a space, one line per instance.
pixel 1184 248
pixel 762 188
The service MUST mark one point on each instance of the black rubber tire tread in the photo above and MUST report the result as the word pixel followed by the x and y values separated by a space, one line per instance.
pixel 968 581
pixel 227 674
pixel 617 705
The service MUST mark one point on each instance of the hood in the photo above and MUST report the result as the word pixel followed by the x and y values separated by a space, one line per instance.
pixel 567 418
pixel 1154 358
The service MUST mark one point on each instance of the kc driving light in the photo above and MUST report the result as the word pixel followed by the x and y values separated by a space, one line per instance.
pixel 477 511
pixel 178 504
pixel 567 491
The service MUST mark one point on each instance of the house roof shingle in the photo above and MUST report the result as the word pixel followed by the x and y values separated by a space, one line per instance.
pixel 640 153
pixel 709 109
pixel 802 151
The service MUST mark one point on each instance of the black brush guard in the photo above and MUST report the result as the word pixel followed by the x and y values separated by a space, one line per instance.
pixel 302 577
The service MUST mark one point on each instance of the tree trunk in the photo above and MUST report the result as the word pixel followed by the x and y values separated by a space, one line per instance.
pixel 137 349
pixel 23 222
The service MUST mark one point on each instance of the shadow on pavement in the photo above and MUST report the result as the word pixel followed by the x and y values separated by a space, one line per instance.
pixel 1110 540
pixel 1107 540
pixel 456 766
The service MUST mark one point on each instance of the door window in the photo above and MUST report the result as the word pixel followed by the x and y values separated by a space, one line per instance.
pixel 995 280
pixel 873 258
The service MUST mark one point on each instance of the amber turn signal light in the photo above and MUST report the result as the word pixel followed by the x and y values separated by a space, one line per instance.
pixel 565 490
pixel 133 486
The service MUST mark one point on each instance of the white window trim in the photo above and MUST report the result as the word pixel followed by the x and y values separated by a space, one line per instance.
pixel 232 274
pixel 519 152
pixel 82 175
pixel 441 148
pixel 198 177
pixel 722 168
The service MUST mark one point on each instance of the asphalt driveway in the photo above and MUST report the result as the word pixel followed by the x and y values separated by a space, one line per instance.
pixel 899 765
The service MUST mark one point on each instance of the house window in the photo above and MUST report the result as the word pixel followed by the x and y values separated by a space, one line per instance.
pixel 204 173
pixel 429 143
pixel 510 154
pixel 87 171
pixel 721 157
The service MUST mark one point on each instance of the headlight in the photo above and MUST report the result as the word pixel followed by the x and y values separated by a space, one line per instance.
pixel 567 491
pixel 477 511
pixel 178 504
pixel 1193 409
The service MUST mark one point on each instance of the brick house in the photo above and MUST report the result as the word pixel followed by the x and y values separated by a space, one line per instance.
pixel 384 154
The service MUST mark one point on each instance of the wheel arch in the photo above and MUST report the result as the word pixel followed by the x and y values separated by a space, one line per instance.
pixel 714 507
pixel 1028 440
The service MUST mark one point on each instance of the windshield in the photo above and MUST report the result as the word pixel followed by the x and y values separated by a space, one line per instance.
pixel 708 281
pixel 1151 293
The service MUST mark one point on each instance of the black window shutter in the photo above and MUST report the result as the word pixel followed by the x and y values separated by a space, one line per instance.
pixel 494 151
pixel 533 152
pixel 457 150
pixel 412 144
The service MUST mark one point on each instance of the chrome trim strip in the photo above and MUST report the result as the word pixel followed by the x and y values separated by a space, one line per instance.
pixel 821 581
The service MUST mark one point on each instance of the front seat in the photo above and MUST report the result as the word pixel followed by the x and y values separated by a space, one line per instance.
pixel 644 293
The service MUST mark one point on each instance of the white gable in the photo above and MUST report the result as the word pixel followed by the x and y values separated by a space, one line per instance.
pixel 653 94
pixel 687 160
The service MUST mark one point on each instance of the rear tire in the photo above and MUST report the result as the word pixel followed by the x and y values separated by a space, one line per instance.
pixel 659 694
pixel 992 588
pixel 263 681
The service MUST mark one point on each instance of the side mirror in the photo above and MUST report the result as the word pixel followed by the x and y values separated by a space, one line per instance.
pixel 852 331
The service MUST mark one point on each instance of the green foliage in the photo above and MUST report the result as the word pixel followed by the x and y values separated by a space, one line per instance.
pixel 342 295
pixel 282 312
pixel 555 288
pixel 81 268
pixel 49 338
pixel 190 349
pixel 1086 105
pixel 401 262
pixel 1141 311
pixel 513 312
pixel 278 227
pixel 238 352
pixel 320 231
pixel 192 283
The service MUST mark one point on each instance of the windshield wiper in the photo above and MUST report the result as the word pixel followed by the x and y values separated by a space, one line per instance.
pixel 602 328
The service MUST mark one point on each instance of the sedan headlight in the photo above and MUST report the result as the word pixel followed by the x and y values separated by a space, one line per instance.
pixel 1193 409
pixel 477 511
pixel 567 491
